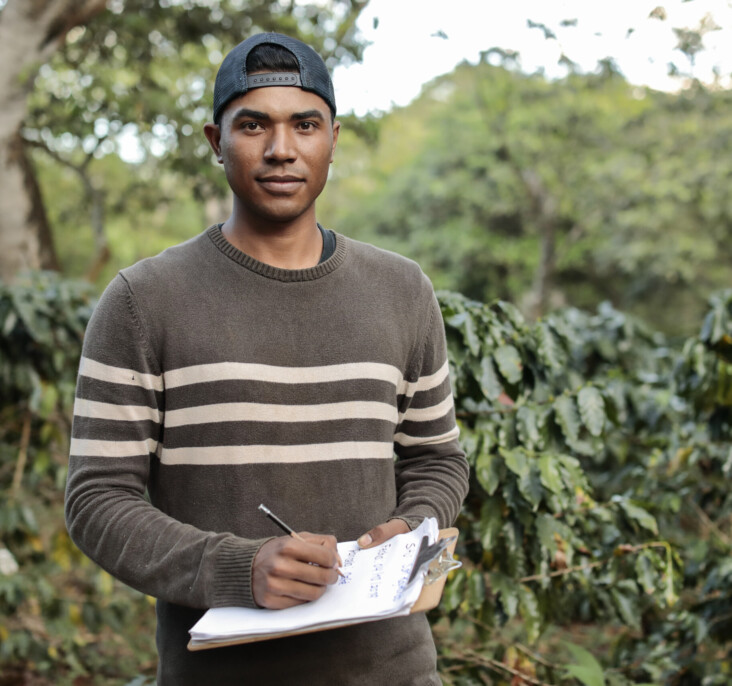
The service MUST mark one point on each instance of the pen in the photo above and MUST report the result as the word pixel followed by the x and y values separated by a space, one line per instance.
pixel 288 529
pixel 281 524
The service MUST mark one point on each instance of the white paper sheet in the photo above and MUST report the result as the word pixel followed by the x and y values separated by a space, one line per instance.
pixel 374 586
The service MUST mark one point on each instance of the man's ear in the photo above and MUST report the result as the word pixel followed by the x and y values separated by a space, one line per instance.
pixel 213 135
pixel 336 130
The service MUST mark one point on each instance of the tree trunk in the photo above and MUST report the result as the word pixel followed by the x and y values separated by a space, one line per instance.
pixel 30 32
pixel 544 211
pixel 544 275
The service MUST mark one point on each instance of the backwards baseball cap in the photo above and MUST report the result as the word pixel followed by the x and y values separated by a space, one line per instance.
pixel 232 80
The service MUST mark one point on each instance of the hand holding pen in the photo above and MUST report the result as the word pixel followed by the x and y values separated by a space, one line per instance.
pixel 289 530
pixel 295 569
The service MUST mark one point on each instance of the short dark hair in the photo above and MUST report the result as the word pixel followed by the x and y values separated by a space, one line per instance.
pixel 271 58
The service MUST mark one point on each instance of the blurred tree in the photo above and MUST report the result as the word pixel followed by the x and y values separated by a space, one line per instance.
pixel 543 193
pixel 140 71
pixel 29 34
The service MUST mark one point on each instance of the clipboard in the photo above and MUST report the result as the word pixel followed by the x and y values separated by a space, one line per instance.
pixel 437 572
pixel 428 599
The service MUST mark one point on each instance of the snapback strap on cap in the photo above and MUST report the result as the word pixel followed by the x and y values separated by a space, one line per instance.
pixel 274 79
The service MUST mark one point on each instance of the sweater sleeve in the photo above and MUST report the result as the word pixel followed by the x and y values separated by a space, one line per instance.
pixel 116 430
pixel 431 469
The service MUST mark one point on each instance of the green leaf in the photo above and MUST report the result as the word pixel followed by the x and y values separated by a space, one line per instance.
pixel 491 522
pixel 587 669
pixel 505 588
pixel 465 324
pixel 625 598
pixel 567 417
pixel 29 518
pixel 527 427
pixel 515 560
pixel 476 588
pixel 592 409
pixel 714 324
pixel 670 595
pixel 517 461
pixel 549 471
pixel 637 514
pixel 510 312
pixel 529 610
pixel 10 321
pixel 488 471
pixel 454 591
pixel 471 337
pixel 551 531
pixel 645 572
pixel 572 473
pixel 490 385
pixel 509 363
pixel 140 681
pixel 529 480
pixel 530 486
pixel 549 350
pixel 48 401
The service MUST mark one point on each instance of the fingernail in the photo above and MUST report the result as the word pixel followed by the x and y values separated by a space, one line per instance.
pixel 365 540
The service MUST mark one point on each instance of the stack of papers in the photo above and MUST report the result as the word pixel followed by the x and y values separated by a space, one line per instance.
pixel 375 585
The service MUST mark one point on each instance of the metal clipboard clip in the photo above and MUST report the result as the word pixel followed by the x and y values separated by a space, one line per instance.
pixel 436 558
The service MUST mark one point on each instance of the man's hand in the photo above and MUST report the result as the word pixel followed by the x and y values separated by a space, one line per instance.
pixel 382 533
pixel 289 572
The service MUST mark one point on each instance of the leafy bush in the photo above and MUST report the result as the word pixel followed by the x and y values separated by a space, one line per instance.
pixel 596 536
pixel 60 616
pixel 600 456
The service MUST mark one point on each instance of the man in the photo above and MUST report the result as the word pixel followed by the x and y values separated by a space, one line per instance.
pixel 271 361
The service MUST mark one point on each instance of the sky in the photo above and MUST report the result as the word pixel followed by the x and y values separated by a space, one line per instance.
pixel 416 40
pixel 412 42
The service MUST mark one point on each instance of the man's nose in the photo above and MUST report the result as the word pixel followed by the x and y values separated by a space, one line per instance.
pixel 280 145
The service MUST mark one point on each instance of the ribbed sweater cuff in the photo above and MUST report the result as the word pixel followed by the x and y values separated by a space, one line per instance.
pixel 232 582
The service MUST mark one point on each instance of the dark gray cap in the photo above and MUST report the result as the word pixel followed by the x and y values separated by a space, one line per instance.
pixel 232 81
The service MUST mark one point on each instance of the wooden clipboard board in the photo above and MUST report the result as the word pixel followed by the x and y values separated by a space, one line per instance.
pixel 428 599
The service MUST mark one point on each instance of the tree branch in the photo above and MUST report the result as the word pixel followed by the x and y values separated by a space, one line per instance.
pixel 624 549
pixel 95 196
pixel 476 658
pixel 22 455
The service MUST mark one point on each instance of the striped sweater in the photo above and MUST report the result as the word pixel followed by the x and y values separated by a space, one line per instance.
pixel 210 383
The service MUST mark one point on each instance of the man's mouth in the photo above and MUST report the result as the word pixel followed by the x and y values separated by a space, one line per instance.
pixel 285 183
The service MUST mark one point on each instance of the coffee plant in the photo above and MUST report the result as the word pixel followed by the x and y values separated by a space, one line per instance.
pixel 595 538
pixel 599 508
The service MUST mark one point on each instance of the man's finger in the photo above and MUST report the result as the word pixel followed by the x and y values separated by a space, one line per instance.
pixel 324 540
pixel 312 551
pixel 383 532
pixel 305 572
pixel 282 593
pixel 305 587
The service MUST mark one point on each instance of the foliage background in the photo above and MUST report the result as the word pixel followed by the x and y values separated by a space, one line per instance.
pixel 595 409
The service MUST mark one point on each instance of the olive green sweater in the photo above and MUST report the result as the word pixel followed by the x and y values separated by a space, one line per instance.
pixel 214 383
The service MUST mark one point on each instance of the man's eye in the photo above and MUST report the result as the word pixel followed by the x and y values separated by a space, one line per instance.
pixel 250 126
pixel 307 125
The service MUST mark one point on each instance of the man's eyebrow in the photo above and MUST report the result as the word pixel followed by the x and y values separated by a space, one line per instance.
pixel 246 113
pixel 309 114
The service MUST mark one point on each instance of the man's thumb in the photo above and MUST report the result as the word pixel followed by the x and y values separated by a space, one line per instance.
pixel 370 538
pixel 382 533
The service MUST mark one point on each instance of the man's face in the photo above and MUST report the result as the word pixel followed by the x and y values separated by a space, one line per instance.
pixel 276 144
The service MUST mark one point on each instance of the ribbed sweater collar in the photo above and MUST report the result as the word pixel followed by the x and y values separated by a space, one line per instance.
pixel 277 273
